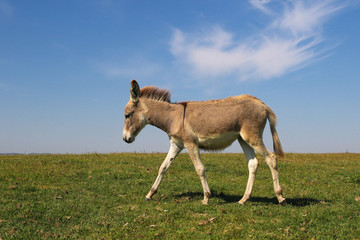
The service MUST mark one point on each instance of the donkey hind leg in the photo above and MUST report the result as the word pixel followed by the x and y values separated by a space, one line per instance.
pixel 252 165
pixel 194 153
pixel 173 152
pixel 271 161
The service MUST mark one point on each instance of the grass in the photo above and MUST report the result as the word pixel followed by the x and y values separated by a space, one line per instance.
pixel 101 196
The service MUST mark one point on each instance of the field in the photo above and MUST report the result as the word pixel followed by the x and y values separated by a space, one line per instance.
pixel 101 196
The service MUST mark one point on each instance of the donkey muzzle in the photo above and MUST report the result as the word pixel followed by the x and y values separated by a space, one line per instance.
pixel 127 137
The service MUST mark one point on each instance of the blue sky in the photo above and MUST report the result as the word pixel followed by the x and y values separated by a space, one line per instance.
pixel 66 67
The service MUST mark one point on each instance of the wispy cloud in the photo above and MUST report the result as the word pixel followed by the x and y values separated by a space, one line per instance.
pixel 307 18
pixel 292 39
pixel 261 5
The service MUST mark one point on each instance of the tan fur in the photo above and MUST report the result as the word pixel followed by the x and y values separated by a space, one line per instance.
pixel 209 125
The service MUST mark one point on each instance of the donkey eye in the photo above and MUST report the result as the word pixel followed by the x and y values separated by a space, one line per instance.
pixel 128 115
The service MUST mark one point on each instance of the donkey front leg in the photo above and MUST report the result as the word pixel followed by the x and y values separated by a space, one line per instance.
pixel 173 152
pixel 200 169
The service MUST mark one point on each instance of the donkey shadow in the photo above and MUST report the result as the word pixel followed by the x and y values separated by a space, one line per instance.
pixel 227 198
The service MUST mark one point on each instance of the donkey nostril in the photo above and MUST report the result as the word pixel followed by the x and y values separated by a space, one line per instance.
pixel 128 140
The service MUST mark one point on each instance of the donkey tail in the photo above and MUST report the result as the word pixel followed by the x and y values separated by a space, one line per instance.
pixel 276 141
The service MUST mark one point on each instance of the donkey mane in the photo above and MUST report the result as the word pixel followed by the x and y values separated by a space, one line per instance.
pixel 157 94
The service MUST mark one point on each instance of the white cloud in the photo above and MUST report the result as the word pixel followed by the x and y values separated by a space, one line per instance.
pixel 307 17
pixel 291 40
pixel 261 5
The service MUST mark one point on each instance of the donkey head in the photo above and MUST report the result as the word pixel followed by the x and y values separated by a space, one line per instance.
pixel 135 119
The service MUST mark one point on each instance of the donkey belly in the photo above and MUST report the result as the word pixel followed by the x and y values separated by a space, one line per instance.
pixel 218 142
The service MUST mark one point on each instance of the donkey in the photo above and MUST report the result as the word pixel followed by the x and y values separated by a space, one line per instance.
pixel 209 125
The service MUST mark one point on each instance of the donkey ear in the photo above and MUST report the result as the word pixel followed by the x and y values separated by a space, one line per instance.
pixel 134 91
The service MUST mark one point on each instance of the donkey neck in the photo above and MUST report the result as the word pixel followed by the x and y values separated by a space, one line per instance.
pixel 163 115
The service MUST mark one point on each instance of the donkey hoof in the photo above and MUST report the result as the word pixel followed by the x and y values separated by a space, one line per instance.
pixel 147 199
pixel 205 202
pixel 283 202
pixel 244 199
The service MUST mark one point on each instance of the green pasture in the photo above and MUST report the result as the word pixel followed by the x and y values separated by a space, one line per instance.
pixel 102 196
